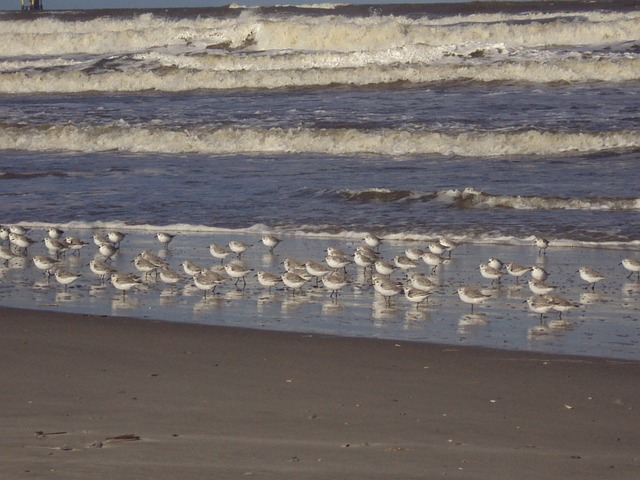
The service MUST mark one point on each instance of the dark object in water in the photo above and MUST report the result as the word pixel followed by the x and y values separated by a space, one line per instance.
pixel 33 5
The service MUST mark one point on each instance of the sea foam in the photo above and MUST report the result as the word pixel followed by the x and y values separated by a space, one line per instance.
pixel 123 137
pixel 251 51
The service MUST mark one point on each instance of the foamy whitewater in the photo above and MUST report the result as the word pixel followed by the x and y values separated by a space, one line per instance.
pixel 488 122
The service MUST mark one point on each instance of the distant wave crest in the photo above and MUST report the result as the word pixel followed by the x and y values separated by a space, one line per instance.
pixel 97 78
pixel 254 51
pixel 472 198
pixel 122 137
pixel 383 195
pixel 53 36
pixel 332 232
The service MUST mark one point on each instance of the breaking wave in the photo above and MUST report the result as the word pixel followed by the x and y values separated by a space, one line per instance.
pixel 122 137
pixel 331 232
pixel 251 31
pixel 472 198
pixel 251 50
pixel 173 79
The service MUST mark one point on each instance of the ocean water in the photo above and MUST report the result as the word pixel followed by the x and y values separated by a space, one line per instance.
pixel 489 123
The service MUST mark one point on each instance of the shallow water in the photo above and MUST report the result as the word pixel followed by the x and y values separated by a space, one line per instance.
pixel 491 124
pixel 606 322
pixel 513 199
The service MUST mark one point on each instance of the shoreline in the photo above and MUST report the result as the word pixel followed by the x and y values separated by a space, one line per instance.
pixel 96 396
pixel 605 322
pixel 249 331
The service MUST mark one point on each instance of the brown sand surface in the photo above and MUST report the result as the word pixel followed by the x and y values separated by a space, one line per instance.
pixel 106 397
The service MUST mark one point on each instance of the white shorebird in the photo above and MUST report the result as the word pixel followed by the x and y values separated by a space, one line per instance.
pixel 472 296
pixel 101 269
pixel 540 304
pixel 405 263
pixel 433 260
pixel 107 250
pixel 372 241
pixel 100 239
pixel 539 273
pixel 496 263
pixel 169 276
pixel 293 265
pixel 449 244
pixel 414 253
pixel 334 282
pixel 115 237
pixel 145 266
pixel 338 261
pixel 364 260
pixel 437 248
pixel 165 238
pixel 207 280
pixel 153 258
pixel 316 269
pixel 54 232
pixel 75 244
pixel 238 270
pixel 125 282
pixel 561 304
pixel 268 279
pixel 590 276
pixel 6 254
pixel 337 252
pixel 44 263
pixel 4 233
pixel 270 241
pixel 422 282
pixel 219 252
pixel 55 246
pixel 384 268
pixel 293 281
pixel 490 273
pixel 539 287
pixel 542 244
pixel 191 268
pixel 387 288
pixel 19 229
pixel 238 247
pixel 21 241
pixel 517 270
pixel 632 265
pixel 65 277
pixel 368 251
pixel 415 295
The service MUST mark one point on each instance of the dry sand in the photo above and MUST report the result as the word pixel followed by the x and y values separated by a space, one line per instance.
pixel 106 397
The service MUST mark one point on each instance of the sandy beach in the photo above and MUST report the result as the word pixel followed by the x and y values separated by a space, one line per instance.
pixel 111 397
pixel 305 241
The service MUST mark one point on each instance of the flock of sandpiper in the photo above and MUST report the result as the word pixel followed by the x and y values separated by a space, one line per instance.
pixel 417 288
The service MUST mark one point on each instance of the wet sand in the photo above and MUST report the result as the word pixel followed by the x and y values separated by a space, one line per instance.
pixel 605 323
pixel 109 397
